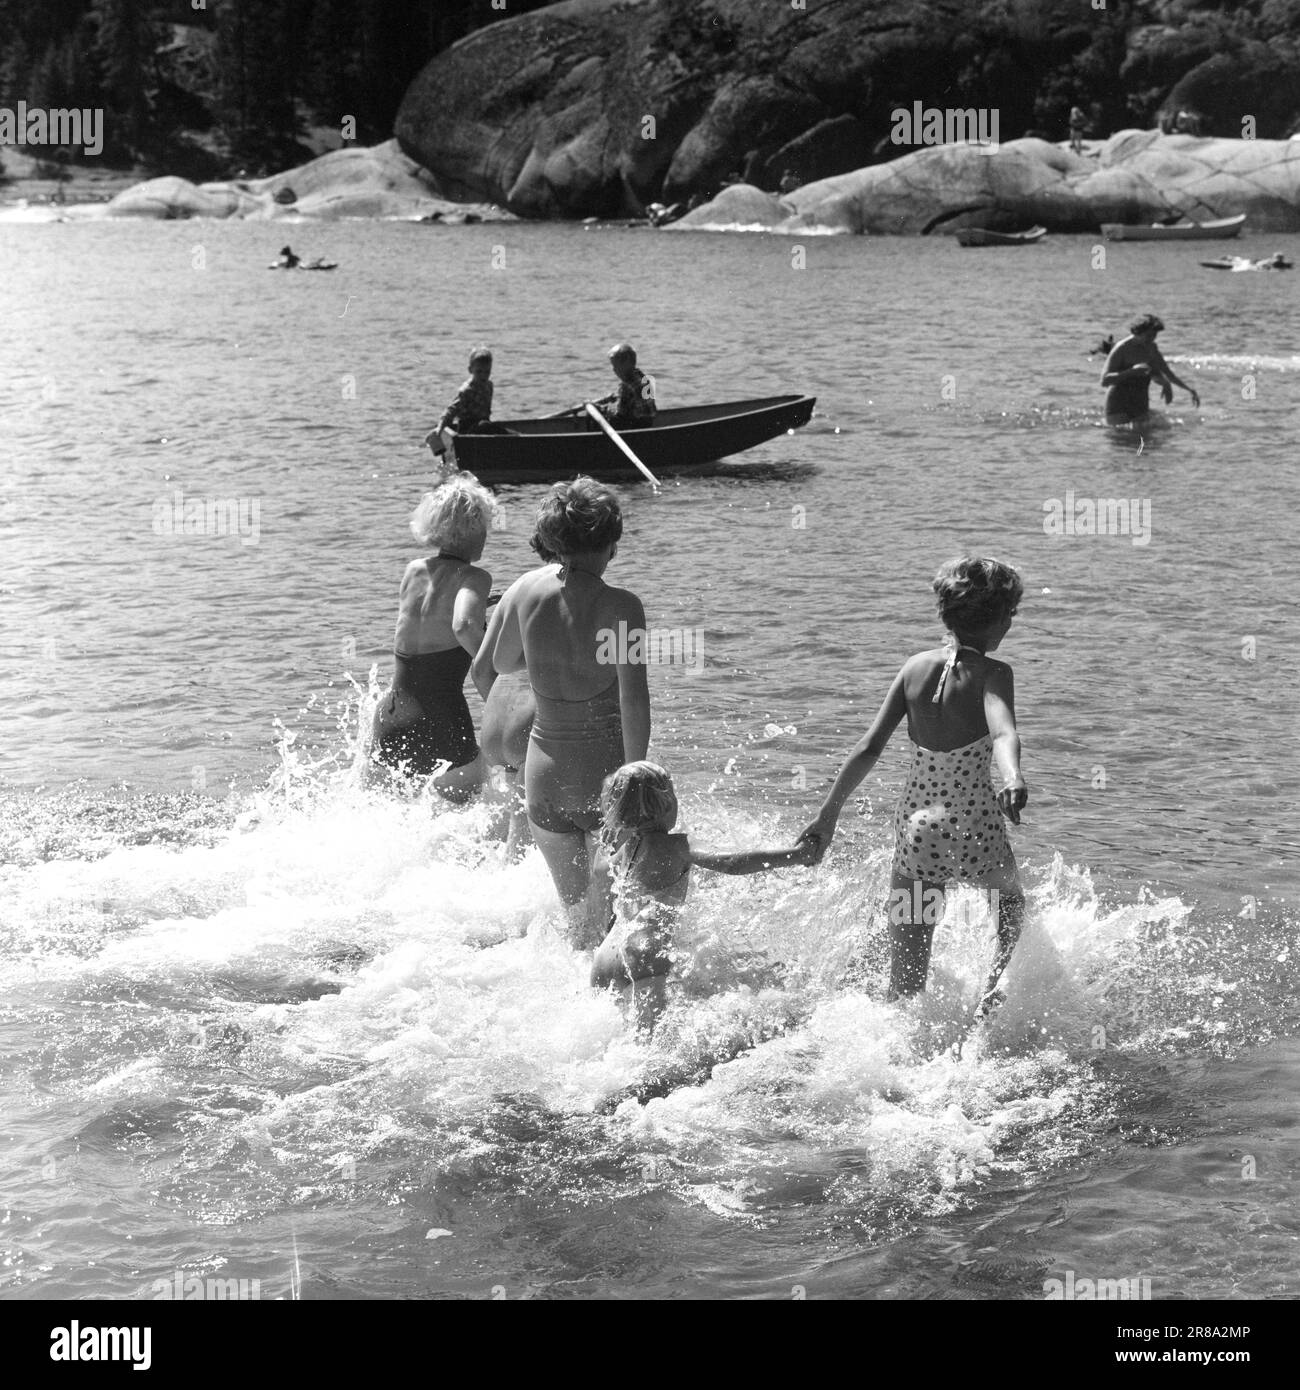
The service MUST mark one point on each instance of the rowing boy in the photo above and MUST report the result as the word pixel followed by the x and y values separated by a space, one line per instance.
pixel 633 404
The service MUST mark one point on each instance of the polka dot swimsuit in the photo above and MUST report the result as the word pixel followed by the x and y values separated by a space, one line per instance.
pixel 948 824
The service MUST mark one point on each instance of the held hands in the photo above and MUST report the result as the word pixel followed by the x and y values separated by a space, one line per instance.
pixel 1012 799
pixel 816 838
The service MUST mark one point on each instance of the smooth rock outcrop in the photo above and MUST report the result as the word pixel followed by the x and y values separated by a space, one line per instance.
pixel 375 182
pixel 1139 176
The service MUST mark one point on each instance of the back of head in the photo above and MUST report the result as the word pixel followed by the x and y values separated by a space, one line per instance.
pixel 480 354
pixel 623 352
pixel 1148 323
pixel 577 518
pixel 973 593
pixel 638 797
pixel 455 517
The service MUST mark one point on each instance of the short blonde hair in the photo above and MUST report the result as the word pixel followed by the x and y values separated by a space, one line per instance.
pixel 456 516
pixel 638 797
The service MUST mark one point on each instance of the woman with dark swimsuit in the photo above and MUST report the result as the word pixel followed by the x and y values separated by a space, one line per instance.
pixel 423 725
pixel 591 717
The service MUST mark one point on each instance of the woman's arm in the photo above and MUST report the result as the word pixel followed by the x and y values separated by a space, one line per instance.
pixel 502 648
pixel 859 762
pixel 469 616
pixel 1169 374
pixel 633 687
pixel 1000 714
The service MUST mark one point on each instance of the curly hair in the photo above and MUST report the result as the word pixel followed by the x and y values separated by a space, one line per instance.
pixel 1147 323
pixel 577 517
pixel 976 592
pixel 456 516
pixel 638 796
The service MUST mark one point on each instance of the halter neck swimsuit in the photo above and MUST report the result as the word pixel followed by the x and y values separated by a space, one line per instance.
pixel 948 824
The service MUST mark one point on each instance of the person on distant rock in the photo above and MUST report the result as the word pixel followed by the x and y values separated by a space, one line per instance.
pixel 1078 124
pixel 633 405
pixel 471 411
pixel 789 182
pixel 1133 364
pixel 287 259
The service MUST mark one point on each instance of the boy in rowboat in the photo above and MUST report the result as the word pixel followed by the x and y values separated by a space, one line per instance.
pixel 1131 367
pixel 633 404
pixel 471 411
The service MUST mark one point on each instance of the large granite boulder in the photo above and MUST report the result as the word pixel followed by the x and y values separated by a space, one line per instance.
pixel 599 107
pixel 1139 176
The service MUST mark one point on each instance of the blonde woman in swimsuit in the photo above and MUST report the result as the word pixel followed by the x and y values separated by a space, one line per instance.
pixel 960 708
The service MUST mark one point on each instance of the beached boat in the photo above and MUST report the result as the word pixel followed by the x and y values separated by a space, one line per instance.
pixel 1186 230
pixel 681 440
pixel 982 236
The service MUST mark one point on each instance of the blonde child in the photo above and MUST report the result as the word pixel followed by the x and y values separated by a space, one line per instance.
pixel 650 870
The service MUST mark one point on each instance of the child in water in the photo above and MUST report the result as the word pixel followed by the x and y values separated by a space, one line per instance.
pixel 650 870
pixel 960 708
pixel 424 720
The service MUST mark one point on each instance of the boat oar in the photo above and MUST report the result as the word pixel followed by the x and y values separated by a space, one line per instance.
pixel 618 439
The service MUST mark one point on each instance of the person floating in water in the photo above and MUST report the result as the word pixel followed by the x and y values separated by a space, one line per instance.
pixel 423 725
pixel 960 708
pixel 471 410
pixel 633 404
pixel 649 871
pixel 287 260
pixel 1133 364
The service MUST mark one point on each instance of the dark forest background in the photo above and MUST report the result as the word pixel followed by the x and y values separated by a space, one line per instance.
pixel 234 84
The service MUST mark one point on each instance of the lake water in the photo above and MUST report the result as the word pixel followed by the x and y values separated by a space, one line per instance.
pixel 257 1022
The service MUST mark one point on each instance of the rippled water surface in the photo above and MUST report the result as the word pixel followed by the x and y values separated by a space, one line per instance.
pixel 248 1009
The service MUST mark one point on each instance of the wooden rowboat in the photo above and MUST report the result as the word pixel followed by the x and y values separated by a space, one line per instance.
pixel 1186 230
pixel 681 440
pixel 981 236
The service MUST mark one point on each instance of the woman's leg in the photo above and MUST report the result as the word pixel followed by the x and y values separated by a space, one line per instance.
pixel 1011 918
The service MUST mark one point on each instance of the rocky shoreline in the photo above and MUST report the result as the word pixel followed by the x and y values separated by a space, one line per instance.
pixel 379 182
pixel 1137 176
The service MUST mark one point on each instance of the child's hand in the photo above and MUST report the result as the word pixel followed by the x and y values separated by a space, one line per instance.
pixel 1166 391
pixel 1012 799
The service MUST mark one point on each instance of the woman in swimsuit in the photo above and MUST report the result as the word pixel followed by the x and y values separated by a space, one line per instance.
pixel 423 726
pixel 960 709
pixel 592 716
pixel 650 869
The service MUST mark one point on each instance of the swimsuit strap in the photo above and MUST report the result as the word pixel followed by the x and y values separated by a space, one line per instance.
pixel 948 665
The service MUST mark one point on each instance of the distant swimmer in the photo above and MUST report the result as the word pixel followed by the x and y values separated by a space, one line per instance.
pixel 649 870
pixel 422 726
pixel 1103 347
pixel 1130 369
pixel 960 709
pixel 287 260
pixel 633 404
